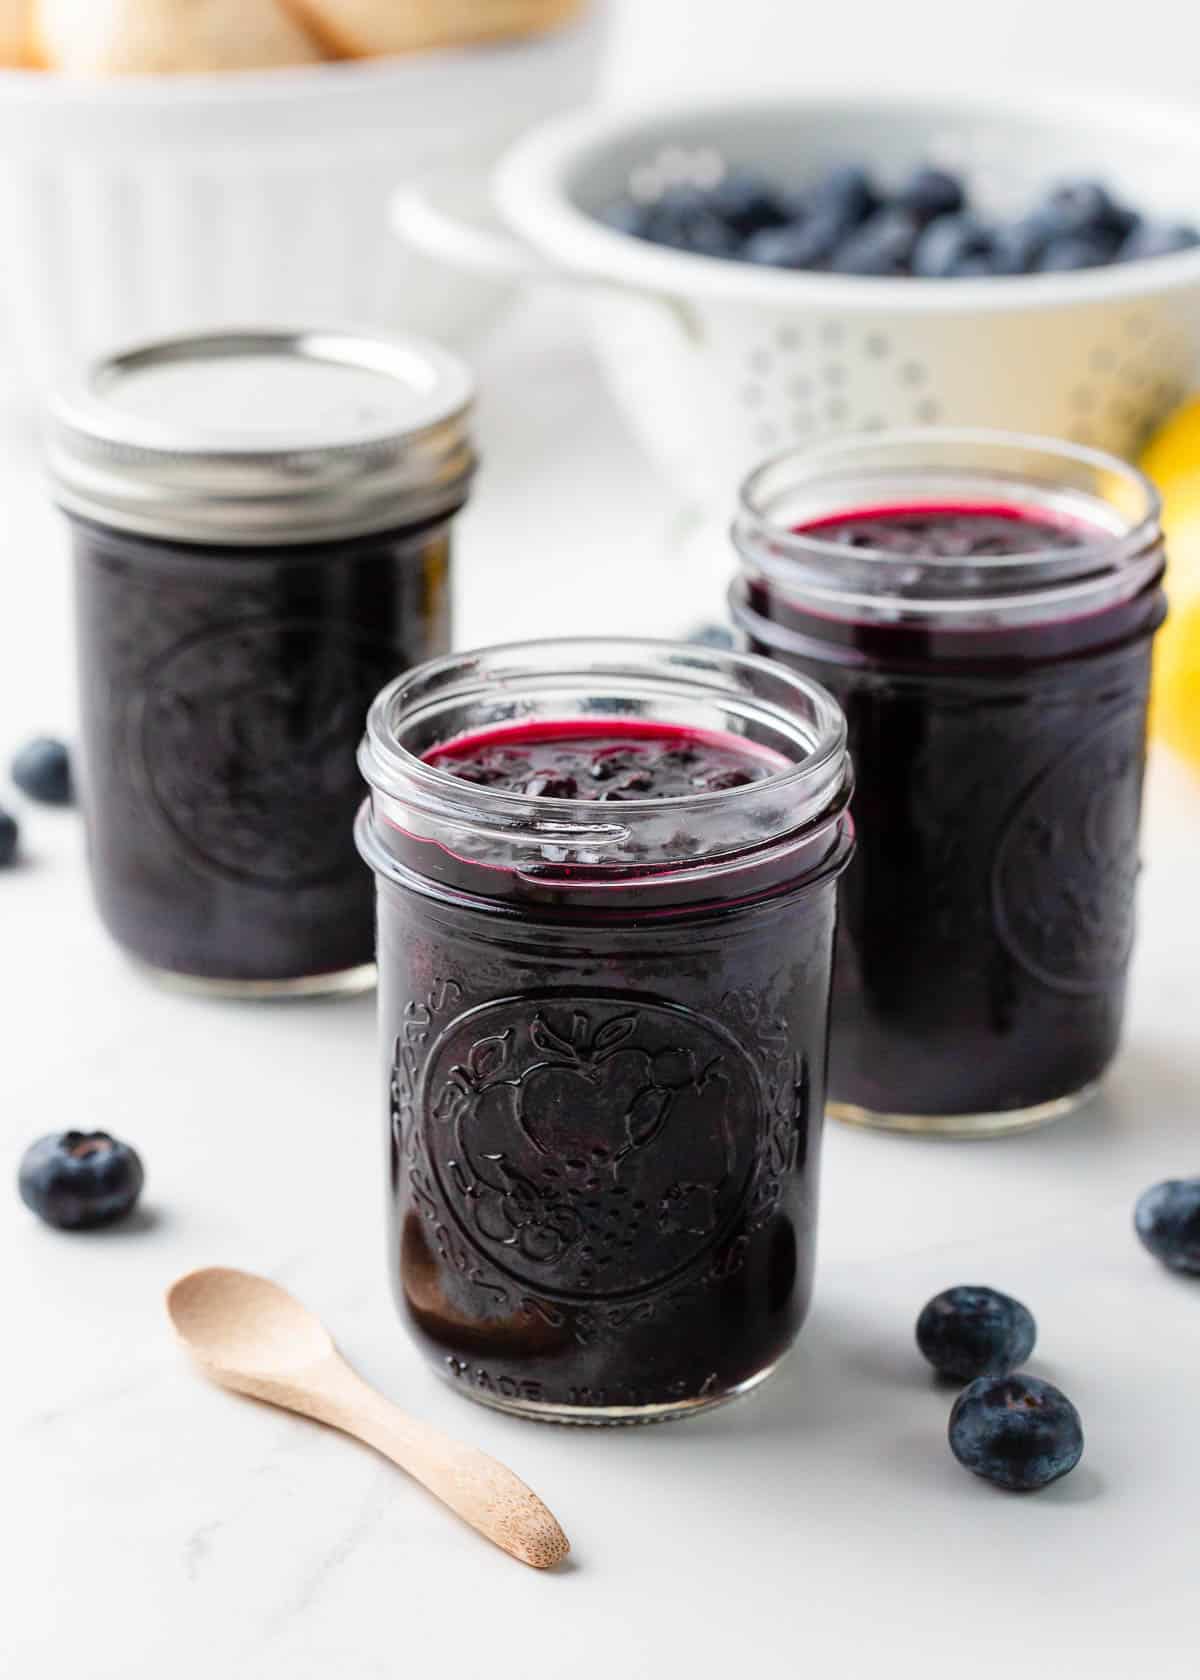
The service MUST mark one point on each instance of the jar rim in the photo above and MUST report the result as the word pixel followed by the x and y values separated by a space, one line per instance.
pixel 1122 526
pixel 808 791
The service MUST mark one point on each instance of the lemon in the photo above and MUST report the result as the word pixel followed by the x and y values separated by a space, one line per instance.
pixel 1175 704
pixel 1172 460
pixel 1173 453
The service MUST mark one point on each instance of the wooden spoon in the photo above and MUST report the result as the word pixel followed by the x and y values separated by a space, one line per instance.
pixel 248 1334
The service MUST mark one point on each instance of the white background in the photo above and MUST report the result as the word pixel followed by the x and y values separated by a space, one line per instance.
pixel 153 1526
pixel 720 45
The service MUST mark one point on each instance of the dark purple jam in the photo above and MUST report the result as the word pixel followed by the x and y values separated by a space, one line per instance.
pixel 940 533
pixel 987 917
pixel 606 1094
pixel 222 696
pixel 626 760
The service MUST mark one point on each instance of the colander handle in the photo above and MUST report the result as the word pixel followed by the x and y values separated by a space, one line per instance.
pixel 480 245
pixel 452 236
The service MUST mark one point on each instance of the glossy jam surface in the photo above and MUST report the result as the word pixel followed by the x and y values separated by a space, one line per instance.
pixel 604 1125
pixel 987 917
pixel 223 693
pixel 619 761
pixel 933 531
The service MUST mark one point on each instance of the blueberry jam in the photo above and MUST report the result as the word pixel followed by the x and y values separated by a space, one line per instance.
pixel 947 533
pixel 620 761
pixel 223 694
pixel 986 920
pixel 604 953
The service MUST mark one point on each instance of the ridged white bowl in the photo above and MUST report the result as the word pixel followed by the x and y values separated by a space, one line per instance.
pixel 154 205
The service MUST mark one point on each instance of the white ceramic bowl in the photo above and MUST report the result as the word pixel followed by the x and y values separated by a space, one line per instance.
pixel 153 205
pixel 718 363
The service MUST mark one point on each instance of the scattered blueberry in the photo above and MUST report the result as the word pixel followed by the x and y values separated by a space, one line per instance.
pixel 1018 1432
pixel 78 1181
pixel 883 244
pixel 10 834
pixel 971 1331
pixel 1157 239
pixel 931 192
pixel 42 770
pixel 1167 1219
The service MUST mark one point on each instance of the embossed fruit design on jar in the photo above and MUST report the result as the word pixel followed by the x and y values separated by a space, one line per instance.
pixel 261 529
pixel 983 607
pixel 606 876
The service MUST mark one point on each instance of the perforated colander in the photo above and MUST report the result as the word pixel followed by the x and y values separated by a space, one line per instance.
pixel 717 363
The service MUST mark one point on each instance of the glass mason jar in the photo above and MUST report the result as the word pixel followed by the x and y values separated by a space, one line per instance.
pixel 604 1024
pixel 261 532
pixel 996 704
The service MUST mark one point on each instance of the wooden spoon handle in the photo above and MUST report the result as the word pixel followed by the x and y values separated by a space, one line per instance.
pixel 481 1490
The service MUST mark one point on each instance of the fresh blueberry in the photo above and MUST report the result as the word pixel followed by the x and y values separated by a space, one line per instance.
pixel 709 236
pixel 808 244
pixel 971 1331
pixel 1018 1432
pixel 628 216
pixel 711 635
pixel 1074 251
pixel 747 202
pixel 882 245
pixel 10 834
pixel 1167 1219
pixel 1157 239
pixel 931 192
pixel 1122 220
pixel 681 218
pixel 846 194
pixel 1078 207
pixel 80 1180
pixel 948 243
pixel 42 770
pixel 1017 246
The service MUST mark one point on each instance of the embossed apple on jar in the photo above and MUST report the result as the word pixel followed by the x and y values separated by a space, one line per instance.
pixel 595 1148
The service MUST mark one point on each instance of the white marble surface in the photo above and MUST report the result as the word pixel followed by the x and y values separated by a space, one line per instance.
pixel 154 1526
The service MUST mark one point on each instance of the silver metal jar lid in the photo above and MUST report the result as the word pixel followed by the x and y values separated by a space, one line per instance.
pixel 264 438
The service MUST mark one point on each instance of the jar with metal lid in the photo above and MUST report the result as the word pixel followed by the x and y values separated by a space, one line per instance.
pixel 261 532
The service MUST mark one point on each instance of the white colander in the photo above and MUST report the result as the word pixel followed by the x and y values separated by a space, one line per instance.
pixel 717 363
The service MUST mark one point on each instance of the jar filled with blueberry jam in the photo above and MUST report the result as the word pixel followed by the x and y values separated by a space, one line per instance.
pixel 983 606
pixel 261 532
pixel 606 876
